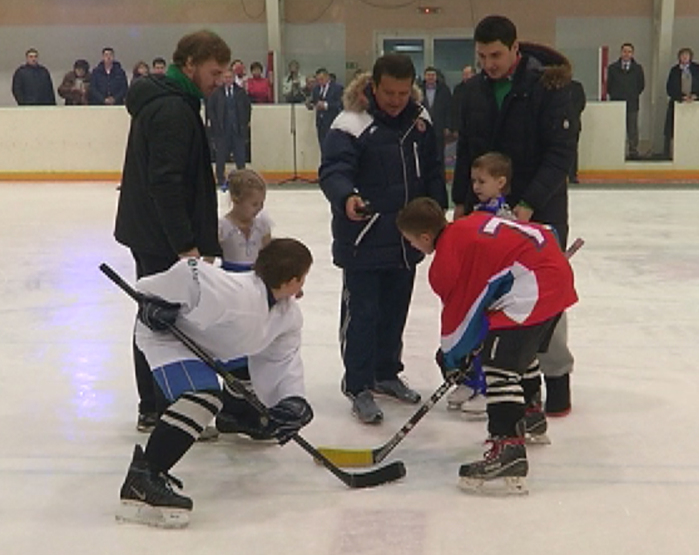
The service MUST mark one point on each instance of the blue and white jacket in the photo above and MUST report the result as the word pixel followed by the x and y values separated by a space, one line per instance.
pixel 386 160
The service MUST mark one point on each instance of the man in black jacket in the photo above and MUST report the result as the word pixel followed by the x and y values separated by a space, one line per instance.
pixel 31 83
pixel 519 105
pixel 626 81
pixel 228 112
pixel 682 86
pixel 436 97
pixel 379 154
pixel 167 205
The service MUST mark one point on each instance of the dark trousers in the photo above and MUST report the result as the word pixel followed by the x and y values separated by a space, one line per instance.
pixel 632 132
pixel 224 145
pixel 151 398
pixel 372 319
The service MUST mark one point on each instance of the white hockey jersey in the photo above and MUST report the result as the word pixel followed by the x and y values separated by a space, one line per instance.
pixel 228 314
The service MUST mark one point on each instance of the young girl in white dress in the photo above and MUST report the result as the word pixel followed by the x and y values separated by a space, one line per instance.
pixel 243 232
pixel 246 228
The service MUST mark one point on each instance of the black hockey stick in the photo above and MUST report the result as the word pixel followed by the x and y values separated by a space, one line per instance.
pixel 367 457
pixel 386 474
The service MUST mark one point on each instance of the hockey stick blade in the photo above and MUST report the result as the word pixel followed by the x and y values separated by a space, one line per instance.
pixel 368 457
pixel 389 473
pixel 347 457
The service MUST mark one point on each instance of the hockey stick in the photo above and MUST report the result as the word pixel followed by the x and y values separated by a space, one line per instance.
pixel 383 475
pixel 368 457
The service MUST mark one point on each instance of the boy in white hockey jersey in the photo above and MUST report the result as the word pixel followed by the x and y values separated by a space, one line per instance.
pixel 231 315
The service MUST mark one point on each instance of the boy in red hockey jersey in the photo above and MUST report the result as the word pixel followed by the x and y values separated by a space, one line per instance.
pixel 503 284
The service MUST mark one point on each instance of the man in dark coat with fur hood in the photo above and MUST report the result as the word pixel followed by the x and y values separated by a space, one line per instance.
pixel 520 105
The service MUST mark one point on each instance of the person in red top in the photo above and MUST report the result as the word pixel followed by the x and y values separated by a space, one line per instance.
pixel 503 285
pixel 257 86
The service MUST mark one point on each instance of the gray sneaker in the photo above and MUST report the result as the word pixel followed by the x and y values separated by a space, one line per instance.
pixel 396 389
pixel 365 408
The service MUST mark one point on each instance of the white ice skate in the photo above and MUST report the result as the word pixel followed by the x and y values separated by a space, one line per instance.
pixel 471 403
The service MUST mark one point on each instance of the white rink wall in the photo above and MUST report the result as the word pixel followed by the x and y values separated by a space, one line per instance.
pixel 89 142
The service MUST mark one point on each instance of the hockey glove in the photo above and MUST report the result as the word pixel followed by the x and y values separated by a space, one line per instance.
pixel 288 416
pixel 156 313
pixel 453 375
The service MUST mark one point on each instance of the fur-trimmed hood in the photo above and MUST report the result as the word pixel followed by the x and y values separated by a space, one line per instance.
pixel 556 69
pixel 355 97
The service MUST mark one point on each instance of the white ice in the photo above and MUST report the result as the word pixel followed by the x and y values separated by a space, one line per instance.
pixel 621 476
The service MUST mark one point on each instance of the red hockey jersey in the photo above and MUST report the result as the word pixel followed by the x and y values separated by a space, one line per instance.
pixel 495 273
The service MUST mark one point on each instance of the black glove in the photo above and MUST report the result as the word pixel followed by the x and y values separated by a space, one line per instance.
pixel 156 313
pixel 288 416
pixel 449 374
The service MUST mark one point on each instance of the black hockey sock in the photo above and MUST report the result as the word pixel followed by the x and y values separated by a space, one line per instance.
pixel 179 427
pixel 531 384
pixel 505 398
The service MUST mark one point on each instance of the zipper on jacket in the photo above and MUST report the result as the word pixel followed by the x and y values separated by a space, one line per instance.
pixel 401 142
pixel 417 160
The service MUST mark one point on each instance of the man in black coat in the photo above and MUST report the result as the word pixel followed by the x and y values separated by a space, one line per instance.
pixel 519 105
pixel 626 81
pixel 682 86
pixel 228 113
pixel 457 96
pixel 436 97
pixel 31 83
pixel 578 102
pixel 167 205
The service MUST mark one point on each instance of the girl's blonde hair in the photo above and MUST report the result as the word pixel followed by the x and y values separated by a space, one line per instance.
pixel 242 182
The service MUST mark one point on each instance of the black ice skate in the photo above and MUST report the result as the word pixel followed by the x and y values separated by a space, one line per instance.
pixel 535 426
pixel 147 497
pixel 504 464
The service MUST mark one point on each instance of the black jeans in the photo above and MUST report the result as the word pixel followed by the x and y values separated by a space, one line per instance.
pixel 372 319
pixel 151 399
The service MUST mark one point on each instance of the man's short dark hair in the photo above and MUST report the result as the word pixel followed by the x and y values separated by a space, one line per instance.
pixel 282 260
pixel 398 66
pixel 629 45
pixel 495 28
pixel 31 51
pixel 430 68
pixel 321 71
pixel 160 61
pixel 199 47
pixel 107 49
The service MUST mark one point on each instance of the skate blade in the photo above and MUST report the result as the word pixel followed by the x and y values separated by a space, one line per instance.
pixel 454 406
pixel 537 439
pixel 510 485
pixel 135 512
pixel 474 415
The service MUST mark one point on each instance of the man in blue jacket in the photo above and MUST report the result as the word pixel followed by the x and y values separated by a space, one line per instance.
pixel 379 154
pixel 108 83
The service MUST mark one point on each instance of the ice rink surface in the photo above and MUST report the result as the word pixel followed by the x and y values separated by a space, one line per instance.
pixel 620 477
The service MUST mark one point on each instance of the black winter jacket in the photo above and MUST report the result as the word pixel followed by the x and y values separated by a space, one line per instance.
pixel 32 86
pixel 167 203
pixel 534 127
pixel 388 162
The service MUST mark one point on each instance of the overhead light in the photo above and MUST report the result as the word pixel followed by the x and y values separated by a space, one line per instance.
pixel 429 10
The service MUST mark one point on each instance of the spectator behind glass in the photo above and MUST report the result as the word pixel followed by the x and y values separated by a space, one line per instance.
pixel 75 85
pixel 31 83
pixel 294 82
pixel 682 86
pixel 159 66
pixel 141 69
pixel 258 87
pixel 238 69
pixel 108 85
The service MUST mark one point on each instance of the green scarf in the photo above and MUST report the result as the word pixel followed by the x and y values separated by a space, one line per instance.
pixel 175 73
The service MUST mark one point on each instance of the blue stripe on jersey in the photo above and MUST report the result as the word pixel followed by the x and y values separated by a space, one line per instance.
pixel 236 267
pixel 472 330
pixel 176 378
